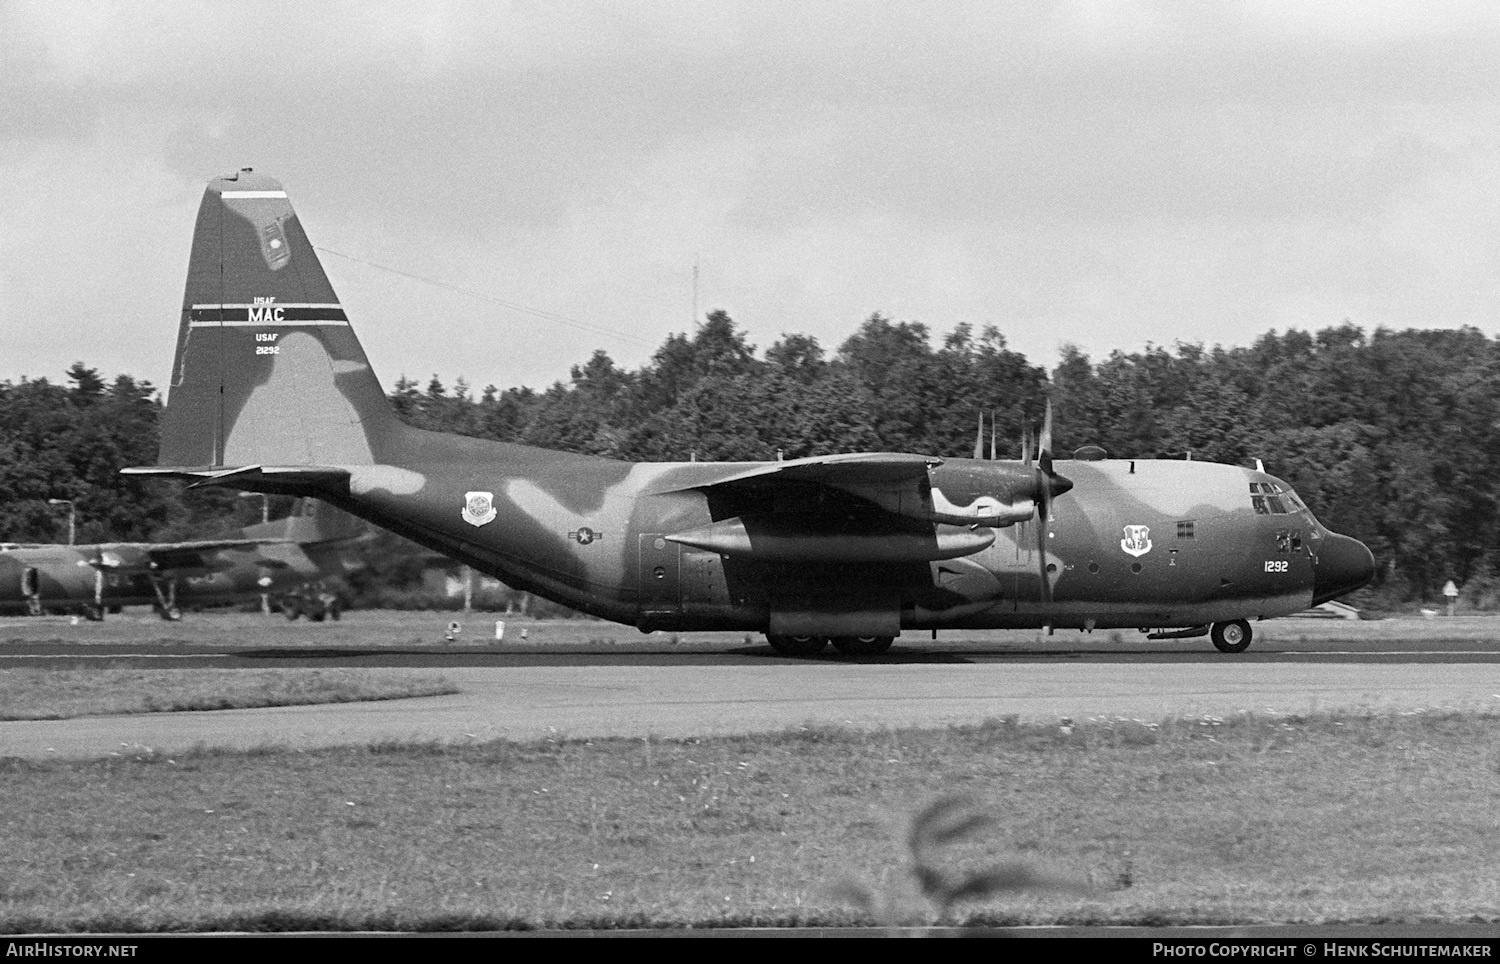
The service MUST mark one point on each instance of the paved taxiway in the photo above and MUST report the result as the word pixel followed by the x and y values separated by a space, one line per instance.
pixel 537 695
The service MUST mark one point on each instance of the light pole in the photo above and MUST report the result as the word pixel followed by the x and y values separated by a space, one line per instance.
pixel 265 504
pixel 72 515
pixel 265 516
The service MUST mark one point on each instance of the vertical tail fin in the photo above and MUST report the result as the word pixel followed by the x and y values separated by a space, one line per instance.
pixel 268 370
pixel 311 521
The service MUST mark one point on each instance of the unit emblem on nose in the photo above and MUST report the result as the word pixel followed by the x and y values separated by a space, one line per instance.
pixel 1137 540
pixel 479 508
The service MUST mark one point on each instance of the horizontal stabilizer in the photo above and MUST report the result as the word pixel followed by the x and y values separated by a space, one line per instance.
pixel 273 479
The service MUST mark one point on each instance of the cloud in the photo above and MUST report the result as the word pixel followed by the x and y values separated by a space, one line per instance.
pixel 1094 172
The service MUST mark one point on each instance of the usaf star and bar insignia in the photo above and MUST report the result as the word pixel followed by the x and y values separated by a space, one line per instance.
pixel 479 509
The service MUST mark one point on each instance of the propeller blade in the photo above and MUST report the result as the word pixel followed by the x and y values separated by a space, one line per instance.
pixel 992 436
pixel 979 438
pixel 1026 445
pixel 1049 485
pixel 1045 443
pixel 1041 542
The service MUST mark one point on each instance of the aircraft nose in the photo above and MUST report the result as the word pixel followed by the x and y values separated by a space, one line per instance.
pixel 1343 565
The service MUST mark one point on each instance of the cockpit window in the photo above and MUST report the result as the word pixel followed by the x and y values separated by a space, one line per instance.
pixel 1268 498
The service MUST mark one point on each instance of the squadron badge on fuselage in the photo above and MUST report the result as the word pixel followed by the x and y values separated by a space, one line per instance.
pixel 1137 540
pixel 479 508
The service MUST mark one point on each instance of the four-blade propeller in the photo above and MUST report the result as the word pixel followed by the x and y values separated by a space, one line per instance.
pixel 1048 486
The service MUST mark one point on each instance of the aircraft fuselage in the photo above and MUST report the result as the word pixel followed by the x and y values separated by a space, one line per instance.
pixel 1135 543
pixel 58 577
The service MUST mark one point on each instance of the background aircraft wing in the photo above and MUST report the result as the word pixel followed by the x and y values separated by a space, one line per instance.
pixel 170 556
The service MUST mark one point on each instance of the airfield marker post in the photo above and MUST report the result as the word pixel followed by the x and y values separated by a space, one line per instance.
pixel 72 516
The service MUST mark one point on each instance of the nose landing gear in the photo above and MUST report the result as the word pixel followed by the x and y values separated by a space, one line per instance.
pixel 1231 637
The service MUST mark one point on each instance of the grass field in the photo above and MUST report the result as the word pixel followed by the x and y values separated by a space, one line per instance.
pixel 43 694
pixel 1353 819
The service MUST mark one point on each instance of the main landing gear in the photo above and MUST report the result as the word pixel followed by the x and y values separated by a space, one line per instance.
pixel 846 645
pixel 1231 637
pixel 166 599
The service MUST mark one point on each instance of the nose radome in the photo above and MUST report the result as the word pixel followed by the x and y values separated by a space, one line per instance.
pixel 1343 565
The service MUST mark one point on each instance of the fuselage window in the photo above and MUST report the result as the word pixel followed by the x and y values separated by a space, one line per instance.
pixel 1185 530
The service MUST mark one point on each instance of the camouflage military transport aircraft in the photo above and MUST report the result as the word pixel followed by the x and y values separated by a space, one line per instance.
pixel 272 392
pixel 269 558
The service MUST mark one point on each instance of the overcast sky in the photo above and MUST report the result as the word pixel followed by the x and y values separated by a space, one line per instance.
pixel 1103 173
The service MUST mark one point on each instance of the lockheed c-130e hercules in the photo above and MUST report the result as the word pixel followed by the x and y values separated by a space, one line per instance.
pixel 271 392
pixel 271 558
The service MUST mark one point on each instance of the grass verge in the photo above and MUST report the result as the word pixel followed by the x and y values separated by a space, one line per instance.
pixel 1360 819
pixel 45 694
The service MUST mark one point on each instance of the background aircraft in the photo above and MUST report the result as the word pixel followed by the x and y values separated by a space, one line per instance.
pixel 272 392
pixel 268 558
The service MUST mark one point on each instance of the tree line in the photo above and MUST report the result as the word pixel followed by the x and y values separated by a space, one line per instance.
pixel 1390 436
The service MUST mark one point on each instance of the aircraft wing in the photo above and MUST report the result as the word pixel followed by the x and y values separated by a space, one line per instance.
pixel 864 486
pixel 856 469
pixel 859 508
pixel 199 555
pixel 171 556
pixel 865 502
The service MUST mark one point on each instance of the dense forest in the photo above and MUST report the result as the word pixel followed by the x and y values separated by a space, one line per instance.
pixel 1391 437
